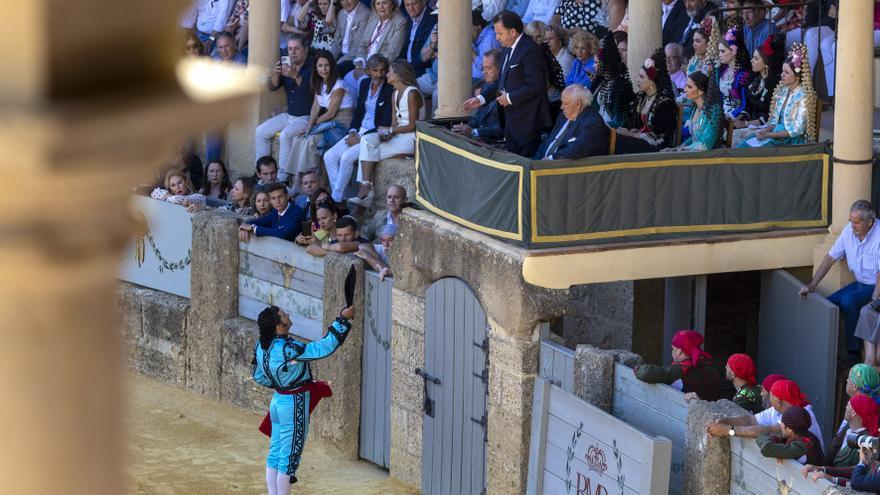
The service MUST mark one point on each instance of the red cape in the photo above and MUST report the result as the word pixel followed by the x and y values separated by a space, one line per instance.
pixel 319 390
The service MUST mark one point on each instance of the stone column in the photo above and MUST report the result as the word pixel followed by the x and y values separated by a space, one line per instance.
pixel 77 132
pixel 853 124
pixel 645 33
pixel 263 54
pixel 455 56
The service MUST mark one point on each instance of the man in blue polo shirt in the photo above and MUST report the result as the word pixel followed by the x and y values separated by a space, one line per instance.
pixel 859 243
pixel 294 78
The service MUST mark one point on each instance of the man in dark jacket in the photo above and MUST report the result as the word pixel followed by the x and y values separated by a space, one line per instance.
pixel 579 132
pixel 419 24
pixel 522 87
pixel 373 110
pixel 697 10
pixel 675 20
pixel 485 124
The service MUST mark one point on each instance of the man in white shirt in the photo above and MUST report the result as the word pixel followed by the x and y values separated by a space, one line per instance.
pixel 785 394
pixel 859 243
pixel 210 20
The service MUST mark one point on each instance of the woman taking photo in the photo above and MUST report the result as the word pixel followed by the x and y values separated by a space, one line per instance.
pixel 400 138
pixel 793 110
pixel 325 215
pixel 655 128
pixel 329 118
pixel 583 67
pixel 316 20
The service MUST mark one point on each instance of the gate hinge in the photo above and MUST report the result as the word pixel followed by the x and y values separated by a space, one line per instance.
pixel 484 345
pixel 484 376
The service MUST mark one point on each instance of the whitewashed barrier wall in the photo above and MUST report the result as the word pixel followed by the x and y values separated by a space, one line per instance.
pixel 753 474
pixel 557 365
pixel 576 448
pixel 160 257
pixel 275 271
pixel 656 410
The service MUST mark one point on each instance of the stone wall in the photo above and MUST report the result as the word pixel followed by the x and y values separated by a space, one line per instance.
pixel 203 345
pixel 154 326
pixel 617 315
pixel 407 392
pixel 427 249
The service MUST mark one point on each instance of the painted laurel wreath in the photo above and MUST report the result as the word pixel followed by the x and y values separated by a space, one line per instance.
pixel 385 344
pixel 570 455
pixel 164 264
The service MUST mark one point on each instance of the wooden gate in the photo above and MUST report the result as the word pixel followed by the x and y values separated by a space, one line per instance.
pixel 795 331
pixel 375 438
pixel 456 373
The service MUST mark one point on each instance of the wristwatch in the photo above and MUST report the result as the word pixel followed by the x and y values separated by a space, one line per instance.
pixel 732 432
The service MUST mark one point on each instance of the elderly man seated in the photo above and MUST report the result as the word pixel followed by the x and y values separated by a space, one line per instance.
pixel 579 131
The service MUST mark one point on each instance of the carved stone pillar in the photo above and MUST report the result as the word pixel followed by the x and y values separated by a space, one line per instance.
pixel 81 121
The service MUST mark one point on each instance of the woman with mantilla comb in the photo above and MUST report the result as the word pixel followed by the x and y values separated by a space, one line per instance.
pixel 793 110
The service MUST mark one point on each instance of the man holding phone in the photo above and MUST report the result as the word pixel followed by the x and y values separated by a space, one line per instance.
pixel 294 78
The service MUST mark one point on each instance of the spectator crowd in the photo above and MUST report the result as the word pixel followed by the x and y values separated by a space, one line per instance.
pixel 550 82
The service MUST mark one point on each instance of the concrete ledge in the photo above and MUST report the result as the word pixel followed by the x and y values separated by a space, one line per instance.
pixel 559 269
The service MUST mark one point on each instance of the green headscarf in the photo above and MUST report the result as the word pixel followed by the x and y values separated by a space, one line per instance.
pixel 866 379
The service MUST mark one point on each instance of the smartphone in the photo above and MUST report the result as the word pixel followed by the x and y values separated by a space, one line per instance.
pixel 306 228
pixel 285 60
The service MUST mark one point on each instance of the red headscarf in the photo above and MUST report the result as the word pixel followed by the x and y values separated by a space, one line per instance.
pixel 769 380
pixel 788 391
pixel 743 367
pixel 867 409
pixel 689 342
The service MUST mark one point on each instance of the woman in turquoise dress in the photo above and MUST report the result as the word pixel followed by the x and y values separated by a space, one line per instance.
pixel 706 121
pixel 705 45
pixel 793 110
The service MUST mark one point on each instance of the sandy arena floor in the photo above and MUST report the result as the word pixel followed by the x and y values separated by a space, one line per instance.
pixel 181 443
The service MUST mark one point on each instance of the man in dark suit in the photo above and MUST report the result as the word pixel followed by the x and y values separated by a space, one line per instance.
pixel 283 221
pixel 579 132
pixel 697 10
pixel 521 91
pixel 675 20
pixel 485 124
pixel 419 24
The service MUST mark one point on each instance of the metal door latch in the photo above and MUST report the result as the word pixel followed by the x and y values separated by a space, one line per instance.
pixel 429 403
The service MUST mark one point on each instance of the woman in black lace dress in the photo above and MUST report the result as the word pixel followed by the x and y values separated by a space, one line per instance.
pixel 655 119
pixel 612 88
